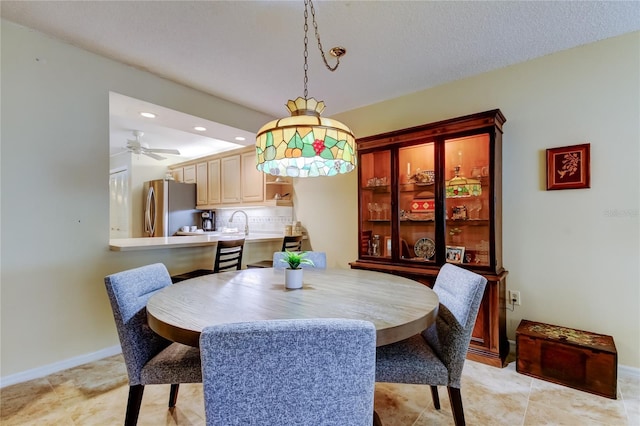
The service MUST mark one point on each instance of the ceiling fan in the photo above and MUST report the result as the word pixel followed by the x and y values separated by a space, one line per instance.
pixel 138 147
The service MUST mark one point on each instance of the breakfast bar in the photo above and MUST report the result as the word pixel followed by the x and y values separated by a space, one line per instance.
pixel 181 254
pixel 206 239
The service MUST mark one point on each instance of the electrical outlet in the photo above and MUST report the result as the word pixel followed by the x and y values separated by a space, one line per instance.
pixel 514 297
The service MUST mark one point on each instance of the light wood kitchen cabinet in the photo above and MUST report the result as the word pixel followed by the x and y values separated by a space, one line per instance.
pixel 252 179
pixel 189 174
pixel 231 178
pixel 178 174
pixel 213 181
pixel 431 195
pixel 230 174
pixel 202 183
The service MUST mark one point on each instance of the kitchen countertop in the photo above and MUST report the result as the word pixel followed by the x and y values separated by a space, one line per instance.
pixel 151 243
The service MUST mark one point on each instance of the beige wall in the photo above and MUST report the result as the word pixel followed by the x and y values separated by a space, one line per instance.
pixel 55 194
pixel 573 254
pixel 574 264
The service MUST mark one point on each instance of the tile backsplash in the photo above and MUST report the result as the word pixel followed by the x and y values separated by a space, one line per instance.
pixel 261 219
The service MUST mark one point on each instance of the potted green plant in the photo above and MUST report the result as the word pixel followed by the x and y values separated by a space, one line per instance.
pixel 293 274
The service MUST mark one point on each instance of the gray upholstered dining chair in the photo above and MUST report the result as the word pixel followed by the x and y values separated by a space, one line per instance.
pixel 228 257
pixel 150 359
pixel 289 242
pixel 436 356
pixel 319 259
pixel 313 372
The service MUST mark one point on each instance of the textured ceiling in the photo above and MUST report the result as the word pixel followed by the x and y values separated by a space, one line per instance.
pixel 250 52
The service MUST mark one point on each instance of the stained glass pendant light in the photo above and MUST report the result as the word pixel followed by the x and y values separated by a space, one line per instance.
pixel 306 144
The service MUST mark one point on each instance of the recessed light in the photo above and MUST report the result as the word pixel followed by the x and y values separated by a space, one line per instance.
pixel 148 114
pixel 200 128
pixel 239 138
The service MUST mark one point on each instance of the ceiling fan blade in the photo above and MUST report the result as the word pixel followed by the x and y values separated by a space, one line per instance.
pixel 152 155
pixel 163 151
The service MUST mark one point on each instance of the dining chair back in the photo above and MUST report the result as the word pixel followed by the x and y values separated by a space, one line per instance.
pixel 229 255
pixel 149 358
pixel 289 242
pixel 284 372
pixel 319 259
pixel 436 356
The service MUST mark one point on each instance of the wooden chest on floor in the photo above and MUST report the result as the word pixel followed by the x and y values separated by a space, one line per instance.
pixel 575 358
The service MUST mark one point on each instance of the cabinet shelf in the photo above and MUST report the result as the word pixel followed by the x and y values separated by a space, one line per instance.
pixel 382 188
pixel 468 222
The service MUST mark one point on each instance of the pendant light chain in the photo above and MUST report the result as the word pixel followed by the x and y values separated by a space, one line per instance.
pixel 306 54
pixel 306 144
pixel 309 4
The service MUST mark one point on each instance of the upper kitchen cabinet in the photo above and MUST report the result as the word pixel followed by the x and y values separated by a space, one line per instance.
pixel 202 181
pixel 189 174
pixel 231 178
pixel 178 174
pixel 431 195
pixel 230 188
pixel 213 182
pixel 252 179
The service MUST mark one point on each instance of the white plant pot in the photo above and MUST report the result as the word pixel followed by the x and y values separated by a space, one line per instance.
pixel 293 278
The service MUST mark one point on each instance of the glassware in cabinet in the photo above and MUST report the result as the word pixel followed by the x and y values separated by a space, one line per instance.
pixel 375 204
pixel 467 195
pixel 416 200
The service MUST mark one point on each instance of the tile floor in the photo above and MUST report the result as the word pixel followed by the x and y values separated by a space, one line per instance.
pixel 96 394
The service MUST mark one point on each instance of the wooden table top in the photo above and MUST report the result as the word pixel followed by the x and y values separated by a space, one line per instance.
pixel 399 307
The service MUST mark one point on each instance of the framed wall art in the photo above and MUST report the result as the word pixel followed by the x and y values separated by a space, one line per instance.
pixel 568 167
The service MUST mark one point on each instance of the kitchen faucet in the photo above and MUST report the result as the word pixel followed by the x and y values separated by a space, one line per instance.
pixel 246 220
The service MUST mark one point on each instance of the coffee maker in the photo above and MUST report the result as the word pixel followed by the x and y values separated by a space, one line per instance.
pixel 208 221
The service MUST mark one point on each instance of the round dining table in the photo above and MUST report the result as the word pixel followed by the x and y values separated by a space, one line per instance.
pixel 398 307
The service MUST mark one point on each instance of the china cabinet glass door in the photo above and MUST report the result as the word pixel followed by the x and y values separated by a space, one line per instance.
pixel 467 195
pixel 416 203
pixel 375 204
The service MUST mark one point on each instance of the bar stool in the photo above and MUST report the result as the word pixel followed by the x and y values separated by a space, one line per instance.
pixel 289 243
pixel 228 257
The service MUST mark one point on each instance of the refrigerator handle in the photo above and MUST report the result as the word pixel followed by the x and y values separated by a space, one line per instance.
pixel 150 212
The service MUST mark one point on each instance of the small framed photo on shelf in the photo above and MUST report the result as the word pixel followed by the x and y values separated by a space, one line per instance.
pixel 455 254
pixel 568 167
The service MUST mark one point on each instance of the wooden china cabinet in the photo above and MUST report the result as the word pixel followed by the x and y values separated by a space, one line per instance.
pixel 431 194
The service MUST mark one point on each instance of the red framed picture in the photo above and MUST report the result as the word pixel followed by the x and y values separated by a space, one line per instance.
pixel 568 167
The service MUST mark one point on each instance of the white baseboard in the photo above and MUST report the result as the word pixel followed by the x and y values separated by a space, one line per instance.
pixel 622 369
pixel 36 373
pixel 629 371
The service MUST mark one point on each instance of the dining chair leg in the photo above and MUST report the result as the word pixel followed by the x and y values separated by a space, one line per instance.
pixel 133 405
pixel 376 419
pixel 173 395
pixel 456 406
pixel 435 397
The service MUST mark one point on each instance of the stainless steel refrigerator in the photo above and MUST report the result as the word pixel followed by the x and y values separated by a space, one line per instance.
pixel 169 205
